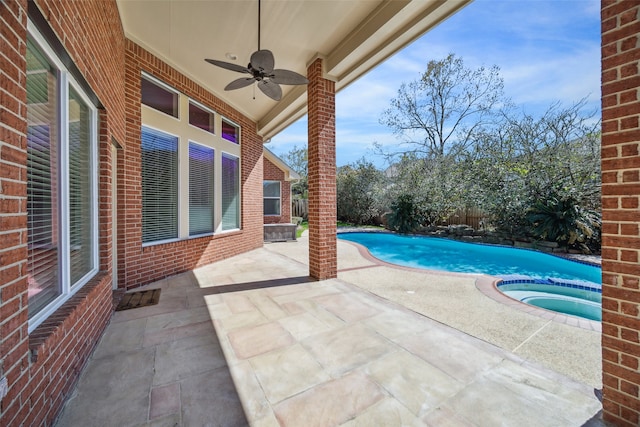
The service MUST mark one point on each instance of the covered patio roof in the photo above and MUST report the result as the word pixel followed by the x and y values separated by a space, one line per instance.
pixel 352 37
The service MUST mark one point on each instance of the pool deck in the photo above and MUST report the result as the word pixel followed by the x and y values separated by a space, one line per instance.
pixel 252 341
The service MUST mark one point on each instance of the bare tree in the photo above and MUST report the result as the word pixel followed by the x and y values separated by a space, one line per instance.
pixel 438 113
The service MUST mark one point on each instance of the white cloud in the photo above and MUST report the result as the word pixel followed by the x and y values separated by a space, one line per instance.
pixel 547 51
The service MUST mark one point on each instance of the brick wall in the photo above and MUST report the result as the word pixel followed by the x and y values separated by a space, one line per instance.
pixel 14 344
pixel 323 261
pixel 137 265
pixel 274 173
pixel 620 213
pixel 42 367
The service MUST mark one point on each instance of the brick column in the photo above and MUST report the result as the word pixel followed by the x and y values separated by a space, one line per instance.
pixel 322 174
pixel 620 212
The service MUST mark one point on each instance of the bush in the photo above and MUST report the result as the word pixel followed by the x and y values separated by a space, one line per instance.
pixel 566 222
pixel 405 215
pixel 358 188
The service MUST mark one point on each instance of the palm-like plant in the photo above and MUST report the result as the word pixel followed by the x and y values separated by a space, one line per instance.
pixel 564 221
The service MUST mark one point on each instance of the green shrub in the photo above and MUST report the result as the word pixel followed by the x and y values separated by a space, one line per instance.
pixel 566 222
pixel 405 215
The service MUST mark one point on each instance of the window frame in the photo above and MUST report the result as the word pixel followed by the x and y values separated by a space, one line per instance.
pixel 65 81
pixel 178 178
pixel 239 196
pixel 165 86
pixel 279 198
pixel 237 127
pixel 213 213
pixel 205 109
pixel 188 133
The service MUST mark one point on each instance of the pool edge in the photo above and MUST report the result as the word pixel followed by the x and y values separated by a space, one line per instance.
pixel 487 285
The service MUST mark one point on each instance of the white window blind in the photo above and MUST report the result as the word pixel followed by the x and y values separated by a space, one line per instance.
pixel 201 201
pixel 230 192
pixel 62 219
pixel 42 181
pixel 80 209
pixel 159 186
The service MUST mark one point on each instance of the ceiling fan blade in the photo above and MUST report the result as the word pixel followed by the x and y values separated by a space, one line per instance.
pixel 262 59
pixel 287 77
pixel 240 83
pixel 228 66
pixel 271 89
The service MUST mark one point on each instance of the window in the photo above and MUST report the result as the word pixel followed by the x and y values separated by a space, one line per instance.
pixel 159 96
pixel 230 193
pixel 159 186
pixel 62 223
pixel 189 189
pixel 271 194
pixel 201 118
pixel 201 201
pixel 230 131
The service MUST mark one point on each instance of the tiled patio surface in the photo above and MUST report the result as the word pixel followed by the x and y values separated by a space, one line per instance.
pixel 251 341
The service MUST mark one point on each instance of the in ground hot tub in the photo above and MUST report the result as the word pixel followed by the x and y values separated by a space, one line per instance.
pixel 582 299
pixel 567 305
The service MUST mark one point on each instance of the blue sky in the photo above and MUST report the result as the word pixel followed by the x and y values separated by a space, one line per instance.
pixel 547 51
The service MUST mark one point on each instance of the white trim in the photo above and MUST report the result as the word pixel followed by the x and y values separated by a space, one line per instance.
pixel 179 182
pixel 162 85
pixel 187 134
pixel 279 198
pixel 208 110
pixel 65 81
pixel 114 216
pixel 188 191
pixel 239 191
pixel 238 128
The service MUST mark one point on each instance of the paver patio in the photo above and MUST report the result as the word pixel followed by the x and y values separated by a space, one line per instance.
pixel 251 340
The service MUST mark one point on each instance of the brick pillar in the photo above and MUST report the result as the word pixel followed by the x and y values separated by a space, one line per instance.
pixel 322 174
pixel 620 211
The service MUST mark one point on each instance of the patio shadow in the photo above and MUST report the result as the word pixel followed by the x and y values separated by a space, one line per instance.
pixel 158 365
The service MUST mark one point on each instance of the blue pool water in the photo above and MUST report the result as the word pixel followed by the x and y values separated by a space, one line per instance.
pixel 450 255
pixel 536 278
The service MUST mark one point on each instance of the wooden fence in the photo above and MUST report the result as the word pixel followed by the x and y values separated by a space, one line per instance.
pixel 300 208
pixel 469 216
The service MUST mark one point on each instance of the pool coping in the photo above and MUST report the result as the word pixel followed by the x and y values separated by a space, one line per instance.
pixel 487 285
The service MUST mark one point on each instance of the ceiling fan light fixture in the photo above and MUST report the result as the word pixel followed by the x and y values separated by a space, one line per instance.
pixel 261 69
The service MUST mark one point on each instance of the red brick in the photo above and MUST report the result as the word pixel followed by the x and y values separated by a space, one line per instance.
pixel 609 228
pixel 629 309
pixel 630 282
pixel 322 198
pixel 629 229
pixel 629 335
pixel 629 361
pixel 628 256
pixel 610 355
pixel 629 123
pixel 630 416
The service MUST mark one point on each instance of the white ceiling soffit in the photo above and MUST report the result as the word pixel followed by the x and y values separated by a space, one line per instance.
pixel 352 36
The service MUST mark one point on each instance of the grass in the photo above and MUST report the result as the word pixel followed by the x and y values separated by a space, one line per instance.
pixel 348 224
pixel 305 226
pixel 301 228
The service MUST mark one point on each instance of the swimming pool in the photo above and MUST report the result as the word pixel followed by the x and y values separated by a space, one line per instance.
pixel 536 278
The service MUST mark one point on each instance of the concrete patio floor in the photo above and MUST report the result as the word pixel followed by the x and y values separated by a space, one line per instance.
pixel 252 341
